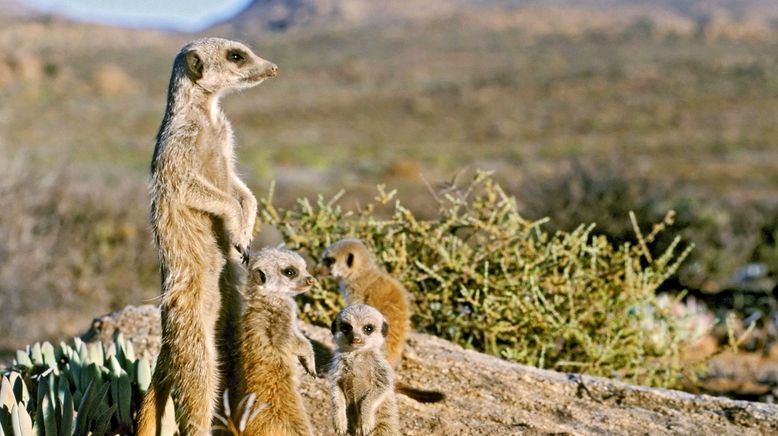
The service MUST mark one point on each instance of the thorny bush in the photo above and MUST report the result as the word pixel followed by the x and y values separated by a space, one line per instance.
pixel 485 277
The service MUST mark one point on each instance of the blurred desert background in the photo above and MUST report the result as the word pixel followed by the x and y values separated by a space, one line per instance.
pixel 584 110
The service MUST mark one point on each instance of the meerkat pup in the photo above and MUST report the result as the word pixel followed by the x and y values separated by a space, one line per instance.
pixel 203 217
pixel 361 379
pixel 272 345
pixel 363 282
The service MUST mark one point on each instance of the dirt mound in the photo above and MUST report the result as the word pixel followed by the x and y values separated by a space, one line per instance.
pixel 486 395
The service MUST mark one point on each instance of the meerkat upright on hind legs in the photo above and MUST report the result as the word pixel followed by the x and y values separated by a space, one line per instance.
pixel 201 212
pixel 363 282
pixel 272 346
pixel 361 379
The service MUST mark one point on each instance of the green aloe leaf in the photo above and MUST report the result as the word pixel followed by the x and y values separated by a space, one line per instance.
pixel 7 397
pixel 66 421
pixel 21 421
pixel 49 416
pixel 49 359
pixel 143 374
pixel 22 359
pixel 35 354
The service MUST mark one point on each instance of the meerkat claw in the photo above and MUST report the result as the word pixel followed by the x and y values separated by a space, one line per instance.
pixel 310 369
pixel 244 253
pixel 245 256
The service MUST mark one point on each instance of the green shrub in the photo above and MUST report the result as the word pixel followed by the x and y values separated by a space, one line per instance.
pixel 605 192
pixel 487 278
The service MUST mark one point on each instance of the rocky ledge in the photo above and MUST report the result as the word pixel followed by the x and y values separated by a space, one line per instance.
pixel 487 395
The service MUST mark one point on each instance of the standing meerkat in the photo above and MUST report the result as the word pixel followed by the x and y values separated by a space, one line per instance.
pixel 363 282
pixel 272 345
pixel 361 379
pixel 203 217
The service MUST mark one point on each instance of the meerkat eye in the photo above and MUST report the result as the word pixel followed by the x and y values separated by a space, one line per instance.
pixel 350 260
pixel 345 328
pixel 329 261
pixel 236 56
pixel 290 272
pixel 368 329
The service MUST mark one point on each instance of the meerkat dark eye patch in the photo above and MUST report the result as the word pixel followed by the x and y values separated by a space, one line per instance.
pixel 236 56
pixel 350 260
pixel 368 329
pixel 328 261
pixel 290 272
pixel 334 326
pixel 258 276
pixel 384 329
pixel 194 66
pixel 345 328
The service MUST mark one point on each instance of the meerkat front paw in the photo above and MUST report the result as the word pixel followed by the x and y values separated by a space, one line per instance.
pixel 309 362
pixel 366 429
pixel 341 427
pixel 241 239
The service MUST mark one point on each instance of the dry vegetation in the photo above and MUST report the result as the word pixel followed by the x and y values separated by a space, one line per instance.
pixel 684 121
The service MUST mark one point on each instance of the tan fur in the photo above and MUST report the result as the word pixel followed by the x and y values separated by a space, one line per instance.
pixel 365 283
pixel 361 379
pixel 200 212
pixel 273 344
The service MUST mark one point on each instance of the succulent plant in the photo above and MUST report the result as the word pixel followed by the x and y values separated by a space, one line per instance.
pixel 78 389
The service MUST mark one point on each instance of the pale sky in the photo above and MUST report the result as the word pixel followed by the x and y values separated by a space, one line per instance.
pixel 187 15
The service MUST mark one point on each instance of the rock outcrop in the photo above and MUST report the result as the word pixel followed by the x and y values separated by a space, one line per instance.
pixel 490 396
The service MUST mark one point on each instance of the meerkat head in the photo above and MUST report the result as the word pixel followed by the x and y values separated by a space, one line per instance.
pixel 359 327
pixel 279 270
pixel 218 65
pixel 346 258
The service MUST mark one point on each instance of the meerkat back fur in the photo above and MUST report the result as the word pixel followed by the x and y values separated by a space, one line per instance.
pixel 361 379
pixel 363 282
pixel 273 346
pixel 203 217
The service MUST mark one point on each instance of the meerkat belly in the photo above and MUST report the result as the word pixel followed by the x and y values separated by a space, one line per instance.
pixel 358 385
pixel 186 237
pixel 272 378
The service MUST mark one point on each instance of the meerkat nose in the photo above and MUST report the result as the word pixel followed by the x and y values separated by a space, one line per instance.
pixel 272 71
pixel 309 281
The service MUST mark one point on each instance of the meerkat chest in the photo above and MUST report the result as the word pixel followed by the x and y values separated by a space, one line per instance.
pixel 215 155
pixel 359 380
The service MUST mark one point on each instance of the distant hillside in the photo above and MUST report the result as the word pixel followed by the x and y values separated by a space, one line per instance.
pixel 13 8
pixel 747 16
pixel 284 14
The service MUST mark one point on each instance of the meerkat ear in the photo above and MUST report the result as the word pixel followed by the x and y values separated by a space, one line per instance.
pixel 194 66
pixel 384 329
pixel 258 276
pixel 334 326
pixel 350 260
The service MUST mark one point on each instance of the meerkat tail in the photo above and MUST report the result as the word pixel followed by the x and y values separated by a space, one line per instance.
pixel 153 406
pixel 420 395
